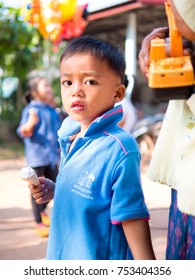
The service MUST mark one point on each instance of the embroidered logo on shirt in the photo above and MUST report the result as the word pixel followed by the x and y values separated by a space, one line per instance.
pixel 84 185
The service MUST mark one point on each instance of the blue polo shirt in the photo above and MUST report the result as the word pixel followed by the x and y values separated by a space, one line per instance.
pixel 42 148
pixel 98 186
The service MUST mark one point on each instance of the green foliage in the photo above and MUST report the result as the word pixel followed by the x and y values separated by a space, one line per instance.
pixel 23 49
pixel 20 44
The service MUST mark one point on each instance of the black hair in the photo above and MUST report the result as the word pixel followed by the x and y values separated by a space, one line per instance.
pixel 100 49
pixel 32 84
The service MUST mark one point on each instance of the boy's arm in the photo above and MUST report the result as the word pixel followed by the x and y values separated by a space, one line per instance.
pixel 138 237
pixel 27 129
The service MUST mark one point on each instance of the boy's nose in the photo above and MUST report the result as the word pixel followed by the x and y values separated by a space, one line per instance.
pixel 77 91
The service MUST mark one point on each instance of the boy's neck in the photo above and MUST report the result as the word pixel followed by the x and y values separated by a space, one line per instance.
pixel 84 128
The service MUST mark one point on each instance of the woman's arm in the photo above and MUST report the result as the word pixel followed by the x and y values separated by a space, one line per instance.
pixel 181 24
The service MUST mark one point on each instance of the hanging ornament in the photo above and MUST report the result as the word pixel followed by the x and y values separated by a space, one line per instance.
pixel 68 9
pixel 52 18
pixel 56 20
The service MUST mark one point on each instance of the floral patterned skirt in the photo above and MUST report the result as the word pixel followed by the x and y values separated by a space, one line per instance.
pixel 181 233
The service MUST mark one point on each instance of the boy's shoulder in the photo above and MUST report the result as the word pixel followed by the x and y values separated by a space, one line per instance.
pixel 124 138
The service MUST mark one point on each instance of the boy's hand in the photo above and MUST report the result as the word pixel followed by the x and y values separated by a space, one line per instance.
pixel 44 192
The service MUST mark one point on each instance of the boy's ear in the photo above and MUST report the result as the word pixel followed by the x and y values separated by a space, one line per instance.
pixel 120 93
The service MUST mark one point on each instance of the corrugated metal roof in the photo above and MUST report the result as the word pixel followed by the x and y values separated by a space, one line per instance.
pixel 152 1
pixel 94 6
pixel 110 8
pixel 114 10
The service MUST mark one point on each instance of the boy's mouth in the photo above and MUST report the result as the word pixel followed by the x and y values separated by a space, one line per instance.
pixel 77 106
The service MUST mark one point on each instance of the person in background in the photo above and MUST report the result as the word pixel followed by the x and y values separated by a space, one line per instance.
pixel 129 111
pixel 177 140
pixel 38 128
pixel 99 206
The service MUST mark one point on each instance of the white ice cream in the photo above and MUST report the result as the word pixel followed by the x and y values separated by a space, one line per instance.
pixel 27 172
pixel 29 175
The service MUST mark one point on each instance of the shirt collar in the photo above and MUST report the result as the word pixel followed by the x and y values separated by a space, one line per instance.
pixel 70 127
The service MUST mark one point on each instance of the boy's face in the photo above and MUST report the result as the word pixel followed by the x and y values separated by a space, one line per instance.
pixel 88 87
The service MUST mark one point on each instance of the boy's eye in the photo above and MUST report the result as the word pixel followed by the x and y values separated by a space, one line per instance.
pixel 91 82
pixel 66 83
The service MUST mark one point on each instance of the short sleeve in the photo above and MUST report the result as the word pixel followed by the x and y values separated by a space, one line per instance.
pixel 128 199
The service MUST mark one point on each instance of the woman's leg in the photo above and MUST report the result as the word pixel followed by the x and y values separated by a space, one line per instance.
pixel 181 233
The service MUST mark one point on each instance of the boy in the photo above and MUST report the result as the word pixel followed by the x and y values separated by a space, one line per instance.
pixel 99 206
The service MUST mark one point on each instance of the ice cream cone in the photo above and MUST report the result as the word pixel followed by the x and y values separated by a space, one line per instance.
pixel 32 180
pixel 29 175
